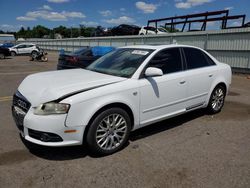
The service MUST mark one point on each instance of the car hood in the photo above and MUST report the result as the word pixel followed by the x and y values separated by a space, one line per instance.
pixel 48 86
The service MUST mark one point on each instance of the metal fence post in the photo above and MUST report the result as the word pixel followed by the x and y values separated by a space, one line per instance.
pixel 206 41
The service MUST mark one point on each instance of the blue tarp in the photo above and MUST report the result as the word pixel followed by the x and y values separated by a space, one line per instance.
pixel 101 50
pixel 61 51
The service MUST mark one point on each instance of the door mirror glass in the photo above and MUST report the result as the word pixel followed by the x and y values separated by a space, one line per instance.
pixel 152 71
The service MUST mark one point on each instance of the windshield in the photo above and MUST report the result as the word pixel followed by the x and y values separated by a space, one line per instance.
pixel 121 62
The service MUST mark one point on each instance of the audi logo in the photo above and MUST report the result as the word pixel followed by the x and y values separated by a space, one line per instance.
pixel 22 104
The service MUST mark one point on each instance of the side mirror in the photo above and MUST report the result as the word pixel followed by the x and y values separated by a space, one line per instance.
pixel 152 71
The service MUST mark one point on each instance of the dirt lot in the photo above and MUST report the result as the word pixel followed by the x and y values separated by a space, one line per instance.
pixel 193 150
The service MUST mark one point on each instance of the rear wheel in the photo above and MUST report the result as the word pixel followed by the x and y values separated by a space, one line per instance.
pixel 34 54
pixel 12 53
pixel 2 56
pixel 217 99
pixel 109 131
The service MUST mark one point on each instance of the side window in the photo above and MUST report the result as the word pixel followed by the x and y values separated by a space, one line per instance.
pixel 209 60
pixel 21 46
pixel 168 61
pixel 195 58
pixel 88 53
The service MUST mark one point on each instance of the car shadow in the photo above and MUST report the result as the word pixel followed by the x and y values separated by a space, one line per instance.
pixel 166 124
pixel 56 153
pixel 75 152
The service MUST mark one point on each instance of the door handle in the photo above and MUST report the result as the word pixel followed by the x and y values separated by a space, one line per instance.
pixel 182 82
pixel 210 75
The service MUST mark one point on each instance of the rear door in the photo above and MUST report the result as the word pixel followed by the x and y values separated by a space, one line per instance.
pixel 200 75
pixel 163 96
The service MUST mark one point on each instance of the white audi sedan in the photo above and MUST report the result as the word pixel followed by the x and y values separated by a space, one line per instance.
pixel 122 91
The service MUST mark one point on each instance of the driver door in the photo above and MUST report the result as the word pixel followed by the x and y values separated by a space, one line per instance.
pixel 21 49
pixel 163 96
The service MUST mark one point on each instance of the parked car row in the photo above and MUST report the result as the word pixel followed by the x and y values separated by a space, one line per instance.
pixel 125 29
pixel 30 49
pixel 149 30
pixel 24 49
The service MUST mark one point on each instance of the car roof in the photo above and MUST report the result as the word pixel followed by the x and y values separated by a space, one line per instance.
pixel 158 47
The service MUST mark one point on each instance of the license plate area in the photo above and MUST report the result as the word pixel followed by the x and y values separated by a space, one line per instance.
pixel 18 115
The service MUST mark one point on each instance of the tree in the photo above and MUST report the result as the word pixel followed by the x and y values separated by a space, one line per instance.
pixel 21 33
pixel 64 31
pixel 39 31
pixel 28 33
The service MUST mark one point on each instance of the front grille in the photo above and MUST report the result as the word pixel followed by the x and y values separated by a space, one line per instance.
pixel 44 136
pixel 18 116
pixel 20 101
pixel 20 107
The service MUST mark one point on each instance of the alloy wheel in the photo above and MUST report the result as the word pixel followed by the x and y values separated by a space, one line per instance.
pixel 111 131
pixel 218 99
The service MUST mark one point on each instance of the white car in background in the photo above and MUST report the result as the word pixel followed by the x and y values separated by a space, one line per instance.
pixel 24 48
pixel 126 89
pixel 149 30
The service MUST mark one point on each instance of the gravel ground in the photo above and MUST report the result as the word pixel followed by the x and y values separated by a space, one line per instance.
pixel 192 150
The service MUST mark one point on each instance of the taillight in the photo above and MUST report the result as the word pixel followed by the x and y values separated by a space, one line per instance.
pixel 72 59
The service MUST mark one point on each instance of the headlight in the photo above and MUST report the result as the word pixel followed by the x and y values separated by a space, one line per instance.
pixel 52 108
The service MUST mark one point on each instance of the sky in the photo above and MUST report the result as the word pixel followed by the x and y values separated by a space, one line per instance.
pixel 107 13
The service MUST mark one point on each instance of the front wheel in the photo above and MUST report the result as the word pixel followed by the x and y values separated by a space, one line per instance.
pixel 109 131
pixel 217 99
pixel 12 53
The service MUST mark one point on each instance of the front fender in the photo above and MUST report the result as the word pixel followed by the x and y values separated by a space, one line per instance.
pixel 81 113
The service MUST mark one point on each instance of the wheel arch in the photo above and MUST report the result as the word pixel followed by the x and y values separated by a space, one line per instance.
pixel 223 84
pixel 216 84
pixel 34 51
pixel 13 51
pixel 108 106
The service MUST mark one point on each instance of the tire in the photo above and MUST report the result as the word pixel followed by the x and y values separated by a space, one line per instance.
pixel 2 56
pixel 34 54
pixel 12 53
pixel 216 101
pixel 103 137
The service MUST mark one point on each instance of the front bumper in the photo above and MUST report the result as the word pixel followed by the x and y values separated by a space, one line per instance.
pixel 47 130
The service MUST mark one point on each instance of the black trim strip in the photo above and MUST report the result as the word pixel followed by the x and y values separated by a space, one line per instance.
pixel 81 91
pixel 195 106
